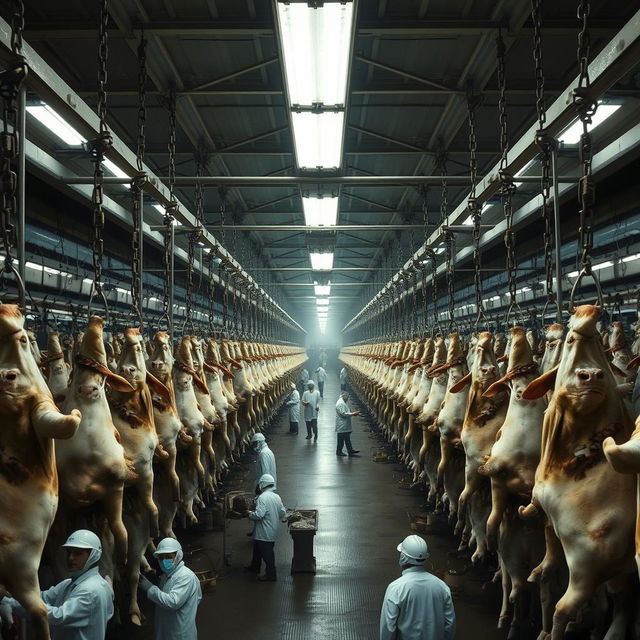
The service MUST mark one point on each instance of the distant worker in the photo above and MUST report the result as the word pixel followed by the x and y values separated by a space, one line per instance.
pixel 266 462
pixel 321 376
pixel 417 606
pixel 269 509
pixel 304 380
pixel 311 404
pixel 343 426
pixel 177 597
pixel 343 379
pixel 293 402
pixel 79 607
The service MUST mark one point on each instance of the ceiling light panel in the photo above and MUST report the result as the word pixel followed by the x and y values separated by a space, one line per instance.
pixel 55 123
pixel 321 261
pixel 322 290
pixel 320 212
pixel 322 302
pixel 318 139
pixel 571 135
pixel 315 45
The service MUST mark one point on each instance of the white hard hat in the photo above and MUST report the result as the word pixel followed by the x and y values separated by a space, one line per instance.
pixel 311 382
pixel 266 479
pixel 414 548
pixel 169 545
pixel 85 539
pixel 258 437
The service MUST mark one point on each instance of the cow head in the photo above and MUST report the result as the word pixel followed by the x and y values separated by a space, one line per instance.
pixel 131 364
pixel 161 361
pixel 553 347
pixel 484 368
pixel 19 371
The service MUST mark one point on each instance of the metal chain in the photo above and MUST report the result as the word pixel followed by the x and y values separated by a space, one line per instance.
pixel 211 324
pixel 449 241
pixel 585 107
pixel 11 81
pixel 188 328
pixel 98 148
pixel 474 207
pixel 536 18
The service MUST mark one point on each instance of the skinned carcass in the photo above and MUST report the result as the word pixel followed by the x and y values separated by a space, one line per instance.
pixel 29 421
pixel 91 465
pixel 589 505
pixel 57 369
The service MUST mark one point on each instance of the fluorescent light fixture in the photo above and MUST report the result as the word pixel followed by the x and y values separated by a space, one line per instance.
pixel 320 212
pixel 321 261
pixel 50 119
pixel 602 265
pixel 114 168
pixel 323 329
pixel 322 302
pixel 571 135
pixel 318 139
pixel 322 290
pixel 631 258
pixel 523 290
pixel 315 45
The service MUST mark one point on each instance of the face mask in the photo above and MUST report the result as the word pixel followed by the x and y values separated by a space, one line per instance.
pixel 166 565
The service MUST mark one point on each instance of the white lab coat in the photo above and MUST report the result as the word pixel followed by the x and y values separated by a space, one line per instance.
pixel 266 462
pixel 343 417
pixel 77 609
pixel 176 599
pixel 321 374
pixel 417 606
pixel 269 509
pixel 313 398
pixel 343 375
pixel 294 406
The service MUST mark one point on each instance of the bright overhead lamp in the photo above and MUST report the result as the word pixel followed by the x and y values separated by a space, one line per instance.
pixel 320 212
pixel 315 46
pixel 160 209
pixel 322 302
pixel 321 261
pixel 114 168
pixel 571 135
pixel 318 139
pixel 322 289
pixel 50 119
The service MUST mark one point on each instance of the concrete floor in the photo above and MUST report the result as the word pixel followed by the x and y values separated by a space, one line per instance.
pixel 363 515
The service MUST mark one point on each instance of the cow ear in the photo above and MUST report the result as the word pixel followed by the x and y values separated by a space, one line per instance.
pixel 461 384
pixel 197 380
pixel 499 386
pixel 617 371
pixel 158 387
pixel 634 364
pixel 538 387
pixel 118 383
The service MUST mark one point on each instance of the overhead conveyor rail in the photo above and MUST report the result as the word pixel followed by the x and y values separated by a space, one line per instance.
pixel 618 57
pixel 44 81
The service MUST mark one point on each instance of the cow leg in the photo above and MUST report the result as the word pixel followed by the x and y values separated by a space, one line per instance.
pixel 619 590
pixel 498 505
pixel 145 491
pixel 169 465
pixel 503 619
pixel 113 511
pixel 472 482
pixel 580 588
pixel 30 599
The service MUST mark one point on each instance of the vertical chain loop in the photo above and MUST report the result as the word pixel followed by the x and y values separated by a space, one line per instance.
pixel 11 80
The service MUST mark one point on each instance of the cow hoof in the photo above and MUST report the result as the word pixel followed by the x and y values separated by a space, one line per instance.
pixel 135 619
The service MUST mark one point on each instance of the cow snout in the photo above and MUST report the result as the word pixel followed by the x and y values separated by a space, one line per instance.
pixel 8 375
pixel 157 364
pixel 88 389
pixel 488 371
pixel 128 370
pixel 589 376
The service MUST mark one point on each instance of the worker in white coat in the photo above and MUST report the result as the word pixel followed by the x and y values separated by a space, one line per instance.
pixel 79 607
pixel 176 597
pixel 293 402
pixel 266 461
pixel 343 379
pixel 311 403
pixel 321 376
pixel 269 509
pixel 343 426
pixel 417 606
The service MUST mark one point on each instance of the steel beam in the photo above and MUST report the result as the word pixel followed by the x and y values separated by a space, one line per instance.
pixel 616 59
pixel 57 93
pixel 234 74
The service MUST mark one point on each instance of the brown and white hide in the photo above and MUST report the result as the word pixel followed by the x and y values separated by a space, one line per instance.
pixel 448 423
pixel 515 454
pixel 35 349
pixel 500 352
pixel 57 369
pixel 132 413
pixel 621 354
pixel 29 422
pixel 184 377
pixel 91 465
pixel 483 417
pixel 590 506
pixel 165 415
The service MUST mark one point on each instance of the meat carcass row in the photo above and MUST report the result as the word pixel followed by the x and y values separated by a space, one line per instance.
pixel 165 413
pixel 132 413
pixel 58 370
pixel 590 506
pixel 91 465
pixel 29 422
